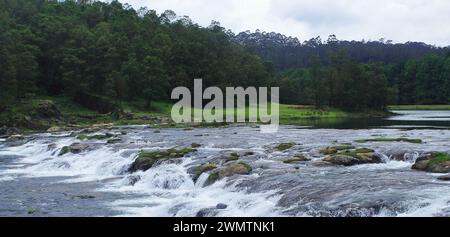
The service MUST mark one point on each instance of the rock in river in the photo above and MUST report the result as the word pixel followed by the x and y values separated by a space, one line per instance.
pixel 146 159
pixel 355 157
pixel 240 168
pixel 75 148
pixel 435 162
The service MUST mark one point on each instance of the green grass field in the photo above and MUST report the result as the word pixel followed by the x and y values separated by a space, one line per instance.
pixel 419 107
pixel 78 115
pixel 289 114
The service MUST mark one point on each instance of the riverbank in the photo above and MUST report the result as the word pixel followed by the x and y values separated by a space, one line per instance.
pixel 419 107
pixel 54 114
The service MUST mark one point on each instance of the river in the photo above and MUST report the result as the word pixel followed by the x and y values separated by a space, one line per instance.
pixel 36 181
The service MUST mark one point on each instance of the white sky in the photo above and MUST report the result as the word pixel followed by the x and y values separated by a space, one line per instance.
pixel 399 20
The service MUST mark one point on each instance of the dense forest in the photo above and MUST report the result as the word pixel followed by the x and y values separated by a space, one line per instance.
pixel 88 50
pixel 289 53
pixel 111 50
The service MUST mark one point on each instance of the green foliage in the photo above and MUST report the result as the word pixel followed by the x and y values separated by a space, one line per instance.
pixel 343 84
pixel 111 50
pixel 284 146
pixel 438 158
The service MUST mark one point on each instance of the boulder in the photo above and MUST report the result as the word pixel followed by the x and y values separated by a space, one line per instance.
pixel 207 212
pixel 284 146
pixel 296 159
pixel 147 159
pixel 240 168
pixel 335 149
pixel 233 157
pixel 114 141
pixel 221 206
pixel 355 157
pixel 75 148
pixel 56 129
pixel 196 171
pixel 51 147
pixel 444 178
pixel 435 162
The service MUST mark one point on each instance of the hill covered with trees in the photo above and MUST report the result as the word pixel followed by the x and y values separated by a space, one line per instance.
pixel 286 52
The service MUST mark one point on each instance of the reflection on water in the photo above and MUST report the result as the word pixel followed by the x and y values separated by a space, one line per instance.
pixel 411 119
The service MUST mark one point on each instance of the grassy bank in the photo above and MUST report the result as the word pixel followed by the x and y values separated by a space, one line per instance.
pixel 419 107
pixel 73 114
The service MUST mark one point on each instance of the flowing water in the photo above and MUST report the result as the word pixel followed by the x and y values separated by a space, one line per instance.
pixel 36 181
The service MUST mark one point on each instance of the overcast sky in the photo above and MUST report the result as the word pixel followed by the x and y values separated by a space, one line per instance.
pixel 399 20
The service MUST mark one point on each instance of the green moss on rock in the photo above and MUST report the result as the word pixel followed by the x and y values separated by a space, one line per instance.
pixel 296 159
pixel 240 168
pixel 354 157
pixel 436 162
pixel 285 146
pixel 233 157
pixel 199 170
pixel 334 149
pixel 146 159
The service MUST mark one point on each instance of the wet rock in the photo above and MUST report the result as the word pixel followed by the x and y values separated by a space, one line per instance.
pixel 32 211
pixel 221 206
pixel 232 169
pixel 207 212
pixel 240 168
pixel 56 129
pixel 84 197
pixel 249 153
pixel 16 140
pixel 342 160
pixel 133 179
pixel 284 146
pixel 197 171
pixel 444 178
pixel 233 157
pixel 75 148
pixel 114 141
pixel 51 147
pixel 195 145
pixel 356 157
pixel 296 159
pixel 147 159
pixel 335 149
pixel 436 162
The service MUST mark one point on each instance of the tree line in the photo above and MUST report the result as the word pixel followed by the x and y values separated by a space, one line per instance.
pixel 110 50
pixel 347 84
pixel 289 53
